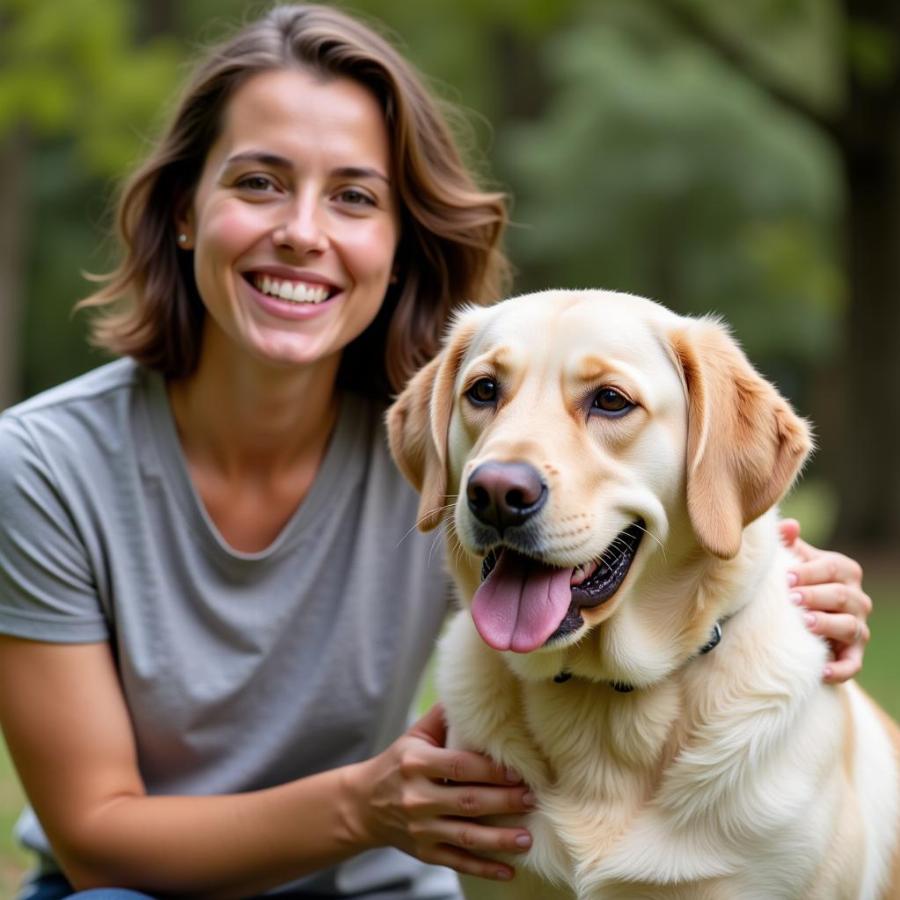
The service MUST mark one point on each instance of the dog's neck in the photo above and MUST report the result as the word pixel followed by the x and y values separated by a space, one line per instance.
pixel 715 638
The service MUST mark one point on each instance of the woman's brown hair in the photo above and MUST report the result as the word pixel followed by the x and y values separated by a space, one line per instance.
pixel 449 250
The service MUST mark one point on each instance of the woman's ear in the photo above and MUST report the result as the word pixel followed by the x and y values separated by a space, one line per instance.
pixel 745 444
pixel 185 230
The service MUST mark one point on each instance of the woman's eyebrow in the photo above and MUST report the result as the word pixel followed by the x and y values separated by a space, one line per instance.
pixel 260 156
pixel 360 172
pixel 280 162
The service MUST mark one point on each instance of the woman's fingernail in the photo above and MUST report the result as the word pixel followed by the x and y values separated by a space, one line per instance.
pixel 529 799
pixel 796 598
pixel 792 579
pixel 513 776
pixel 503 874
pixel 827 672
pixel 810 620
pixel 523 841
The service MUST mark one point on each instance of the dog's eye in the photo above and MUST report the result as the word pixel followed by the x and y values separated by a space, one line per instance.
pixel 483 392
pixel 611 402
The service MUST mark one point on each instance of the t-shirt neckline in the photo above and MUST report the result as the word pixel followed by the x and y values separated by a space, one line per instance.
pixel 335 472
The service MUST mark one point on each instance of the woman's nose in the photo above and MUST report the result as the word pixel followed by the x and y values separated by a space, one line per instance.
pixel 302 229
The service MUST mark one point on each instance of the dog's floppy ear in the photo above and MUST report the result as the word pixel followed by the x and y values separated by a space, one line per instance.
pixel 418 423
pixel 745 443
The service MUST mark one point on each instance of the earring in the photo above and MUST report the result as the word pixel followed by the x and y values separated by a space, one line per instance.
pixel 182 238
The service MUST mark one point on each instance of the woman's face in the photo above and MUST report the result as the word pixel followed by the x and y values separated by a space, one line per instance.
pixel 294 222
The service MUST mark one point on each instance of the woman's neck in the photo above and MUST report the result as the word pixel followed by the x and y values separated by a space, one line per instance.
pixel 254 437
pixel 241 417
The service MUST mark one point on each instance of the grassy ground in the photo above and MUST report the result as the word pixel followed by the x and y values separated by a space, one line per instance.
pixel 12 859
pixel 881 672
pixel 880 677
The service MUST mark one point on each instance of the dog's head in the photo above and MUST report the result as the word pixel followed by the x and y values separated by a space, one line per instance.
pixel 578 436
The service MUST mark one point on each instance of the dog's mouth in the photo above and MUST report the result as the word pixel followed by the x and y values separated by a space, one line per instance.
pixel 523 603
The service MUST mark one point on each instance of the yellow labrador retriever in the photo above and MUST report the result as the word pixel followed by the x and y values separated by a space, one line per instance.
pixel 610 471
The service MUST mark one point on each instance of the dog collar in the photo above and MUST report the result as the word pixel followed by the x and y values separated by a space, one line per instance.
pixel 623 687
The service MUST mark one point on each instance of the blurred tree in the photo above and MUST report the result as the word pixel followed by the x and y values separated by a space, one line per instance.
pixel 654 172
pixel 71 75
pixel 862 120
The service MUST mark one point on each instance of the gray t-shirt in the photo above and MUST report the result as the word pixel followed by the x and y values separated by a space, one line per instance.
pixel 240 670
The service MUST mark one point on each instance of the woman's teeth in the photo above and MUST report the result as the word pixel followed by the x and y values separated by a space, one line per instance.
pixel 295 291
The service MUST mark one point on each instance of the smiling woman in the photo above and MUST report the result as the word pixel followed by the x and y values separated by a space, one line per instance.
pixel 295 196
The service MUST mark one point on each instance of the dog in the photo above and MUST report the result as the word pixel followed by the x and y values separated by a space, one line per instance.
pixel 609 472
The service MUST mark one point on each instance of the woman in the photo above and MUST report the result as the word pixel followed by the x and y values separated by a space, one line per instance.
pixel 213 608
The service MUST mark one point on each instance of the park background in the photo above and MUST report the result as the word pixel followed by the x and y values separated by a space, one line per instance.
pixel 735 158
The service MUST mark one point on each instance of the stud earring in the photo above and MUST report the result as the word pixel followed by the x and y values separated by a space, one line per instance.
pixel 182 238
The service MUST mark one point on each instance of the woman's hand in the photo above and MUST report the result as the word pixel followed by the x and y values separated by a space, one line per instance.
pixel 425 800
pixel 828 586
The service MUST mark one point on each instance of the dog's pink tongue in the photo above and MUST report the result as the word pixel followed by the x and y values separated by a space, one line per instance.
pixel 521 603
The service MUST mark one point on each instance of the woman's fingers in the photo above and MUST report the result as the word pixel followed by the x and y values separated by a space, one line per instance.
pixel 829 587
pixel 848 636
pixel 464 767
pixel 432 727
pixel 468 863
pixel 474 801
pixel 839 627
pixel 833 598
pixel 825 567
pixel 478 839
pixel 846 664
pixel 790 531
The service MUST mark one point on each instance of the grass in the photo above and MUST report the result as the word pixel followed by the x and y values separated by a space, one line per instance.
pixel 881 669
pixel 880 677
pixel 12 858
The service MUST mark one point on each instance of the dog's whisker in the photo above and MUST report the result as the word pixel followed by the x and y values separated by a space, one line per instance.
pixel 652 536
pixel 446 507
pixel 436 541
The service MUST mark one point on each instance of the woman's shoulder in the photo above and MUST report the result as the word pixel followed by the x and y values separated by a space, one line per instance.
pixel 79 419
pixel 122 374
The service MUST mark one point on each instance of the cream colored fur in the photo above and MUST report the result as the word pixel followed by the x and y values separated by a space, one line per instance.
pixel 736 774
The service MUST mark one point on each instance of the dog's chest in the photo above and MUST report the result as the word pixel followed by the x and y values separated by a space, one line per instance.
pixel 605 754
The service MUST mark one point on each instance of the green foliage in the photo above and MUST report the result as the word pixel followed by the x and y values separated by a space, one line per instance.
pixel 873 53
pixel 795 42
pixel 656 170
pixel 73 67
pixel 70 209
pixel 13 859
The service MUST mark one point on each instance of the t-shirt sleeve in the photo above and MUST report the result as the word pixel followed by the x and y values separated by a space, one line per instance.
pixel 47 589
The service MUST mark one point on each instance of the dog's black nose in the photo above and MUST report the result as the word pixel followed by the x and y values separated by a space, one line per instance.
pixel 505 493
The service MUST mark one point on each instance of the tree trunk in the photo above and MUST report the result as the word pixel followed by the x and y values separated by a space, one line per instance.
pixel 868 475
pixel 13 227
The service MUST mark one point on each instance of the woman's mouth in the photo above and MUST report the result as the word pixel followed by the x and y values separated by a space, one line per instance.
pixel 293 291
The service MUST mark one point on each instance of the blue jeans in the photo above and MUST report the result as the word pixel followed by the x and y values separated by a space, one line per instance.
pixel 55 887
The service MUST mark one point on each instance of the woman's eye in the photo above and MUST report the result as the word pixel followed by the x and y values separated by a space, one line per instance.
pixel 609 401
pixel 483 392
pixel 353 197
pixel 256 183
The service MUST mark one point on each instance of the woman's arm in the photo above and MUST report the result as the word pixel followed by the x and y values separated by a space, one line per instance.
pixel 68 730
pixel 829 586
